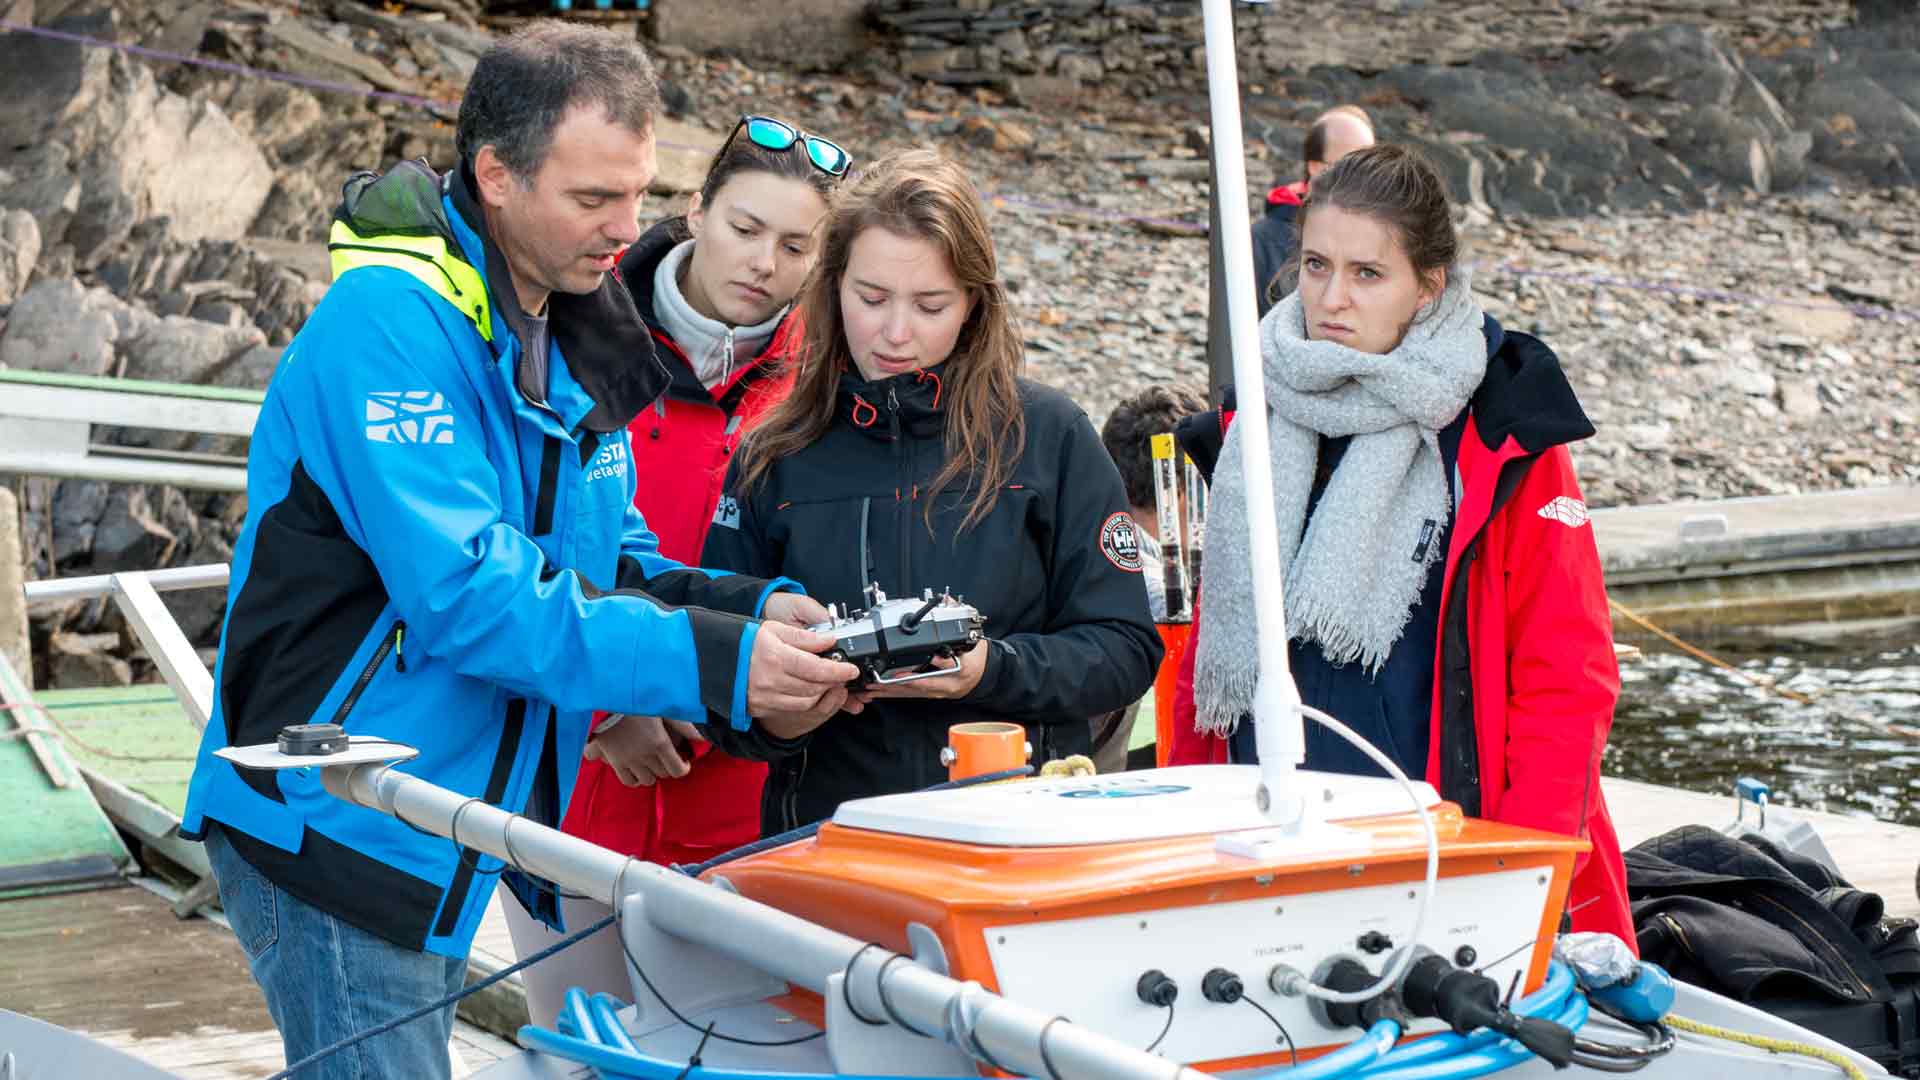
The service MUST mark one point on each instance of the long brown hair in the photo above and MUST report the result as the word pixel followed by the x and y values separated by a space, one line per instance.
pixel 920 194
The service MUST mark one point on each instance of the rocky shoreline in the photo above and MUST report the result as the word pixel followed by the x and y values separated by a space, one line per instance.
pixel 1710 215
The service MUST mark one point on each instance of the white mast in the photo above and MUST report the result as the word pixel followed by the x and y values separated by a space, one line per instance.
pixel 1278 727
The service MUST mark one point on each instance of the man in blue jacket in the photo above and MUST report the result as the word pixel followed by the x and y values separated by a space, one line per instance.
pixel 441 549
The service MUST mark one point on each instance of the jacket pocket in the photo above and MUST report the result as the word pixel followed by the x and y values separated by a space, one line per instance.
pixel 395 643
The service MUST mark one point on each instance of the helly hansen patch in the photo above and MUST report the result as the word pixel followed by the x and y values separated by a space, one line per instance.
pixel 1566 510
pixel 726 513
pixel 1120 542
pixel 408 416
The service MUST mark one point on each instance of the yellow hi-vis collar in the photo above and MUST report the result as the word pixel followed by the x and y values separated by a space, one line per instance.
pixel 426 258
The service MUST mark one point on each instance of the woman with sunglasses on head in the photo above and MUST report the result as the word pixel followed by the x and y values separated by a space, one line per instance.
pixel 911 455
pixel 1442 586
pixel 716 287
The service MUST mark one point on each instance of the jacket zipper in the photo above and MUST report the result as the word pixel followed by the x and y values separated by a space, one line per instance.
pixel 791 812
pixel 903 471
pixel 1814 935
pixel 1680 934
pixel 388 644
pixel 867 569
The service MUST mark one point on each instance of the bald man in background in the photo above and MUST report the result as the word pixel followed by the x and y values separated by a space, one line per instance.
pixel 1335 133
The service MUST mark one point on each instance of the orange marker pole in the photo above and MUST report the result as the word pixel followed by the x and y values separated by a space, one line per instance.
pixel 1175 636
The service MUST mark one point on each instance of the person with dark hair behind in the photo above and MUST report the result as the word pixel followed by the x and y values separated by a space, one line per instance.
pixel 441 550
pixel 716 288
pixel 1443 591
pixel 1128 436
pixel 912 455
pixel 1335 133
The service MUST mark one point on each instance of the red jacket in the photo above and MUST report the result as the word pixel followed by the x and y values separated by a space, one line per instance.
pixel 681 445
pixel 1525 678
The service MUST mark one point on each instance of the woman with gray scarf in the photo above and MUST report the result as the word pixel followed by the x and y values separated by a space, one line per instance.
pixel 1442 587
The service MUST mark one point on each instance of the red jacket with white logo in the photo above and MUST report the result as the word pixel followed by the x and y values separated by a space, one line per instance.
pixel 1525 678
pixel 681 446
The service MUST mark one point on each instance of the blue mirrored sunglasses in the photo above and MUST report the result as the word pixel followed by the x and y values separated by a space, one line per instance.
pixel 766 132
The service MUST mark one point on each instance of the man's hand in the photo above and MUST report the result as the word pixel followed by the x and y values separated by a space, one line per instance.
pixel 642 749
pixel 972 665
pixel 794 609
pixel 790 689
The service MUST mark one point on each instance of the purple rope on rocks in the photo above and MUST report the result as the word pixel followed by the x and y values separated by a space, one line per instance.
pixel 1863 311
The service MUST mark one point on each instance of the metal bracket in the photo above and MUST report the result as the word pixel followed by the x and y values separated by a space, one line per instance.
pixel 928 952
pixel 873 1045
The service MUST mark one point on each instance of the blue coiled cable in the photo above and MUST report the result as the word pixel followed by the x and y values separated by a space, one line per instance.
pixel 591 1034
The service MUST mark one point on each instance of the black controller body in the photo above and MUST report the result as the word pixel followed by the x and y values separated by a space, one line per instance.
pixel 905 633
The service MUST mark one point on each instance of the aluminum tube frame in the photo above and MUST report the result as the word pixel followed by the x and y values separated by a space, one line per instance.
pixel 766 938
pixel 212 575
pixel 1279 728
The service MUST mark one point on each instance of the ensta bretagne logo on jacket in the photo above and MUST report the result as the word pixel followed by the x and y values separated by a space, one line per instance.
pixel 408 416
pixel 610 462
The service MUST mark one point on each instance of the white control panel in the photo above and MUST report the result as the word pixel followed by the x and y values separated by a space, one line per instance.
pixel 1087 969
pixel 1145 805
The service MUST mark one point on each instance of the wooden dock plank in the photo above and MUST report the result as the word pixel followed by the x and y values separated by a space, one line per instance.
pixel 116 965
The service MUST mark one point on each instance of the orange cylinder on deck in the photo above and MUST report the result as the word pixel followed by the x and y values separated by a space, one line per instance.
pixel 985 746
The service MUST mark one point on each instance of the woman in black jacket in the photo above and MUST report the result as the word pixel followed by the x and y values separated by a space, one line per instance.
pixel 911 455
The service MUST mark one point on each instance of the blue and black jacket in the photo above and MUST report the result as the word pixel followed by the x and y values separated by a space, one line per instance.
pixel 441 548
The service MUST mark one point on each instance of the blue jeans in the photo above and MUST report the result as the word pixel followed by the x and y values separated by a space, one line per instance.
pixel 325 980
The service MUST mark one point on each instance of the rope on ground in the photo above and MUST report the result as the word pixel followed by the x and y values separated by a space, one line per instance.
pixel 1702 655
pixel 1766 1042
pixel 63 733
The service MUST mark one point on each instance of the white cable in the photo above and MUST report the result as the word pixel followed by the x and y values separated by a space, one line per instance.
pixel 1398 966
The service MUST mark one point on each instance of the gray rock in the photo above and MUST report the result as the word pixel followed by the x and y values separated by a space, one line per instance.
pixel 137 150
pixel 1848 111
pixel 1080 68
pixel 19 251
pixel 37 180
pixel 1800 398
pixel 46 84
pixel 60 326
pixel 1731 146
pixel 1680 62
pixel 77 506
pixel 128 537
pixel 1749 381
pixel 179 349
pixel 77 660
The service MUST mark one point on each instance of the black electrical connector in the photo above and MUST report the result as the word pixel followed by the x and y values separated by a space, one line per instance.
pixel 1373 942
pixel 1156 989
pixel 1222 986
pixel 1345 976
pixel 1466 1001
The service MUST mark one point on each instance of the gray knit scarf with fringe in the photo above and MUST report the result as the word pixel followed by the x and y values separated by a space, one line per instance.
pixel 1352 573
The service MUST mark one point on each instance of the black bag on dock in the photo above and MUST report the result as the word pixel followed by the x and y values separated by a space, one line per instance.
pixel 1781 932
